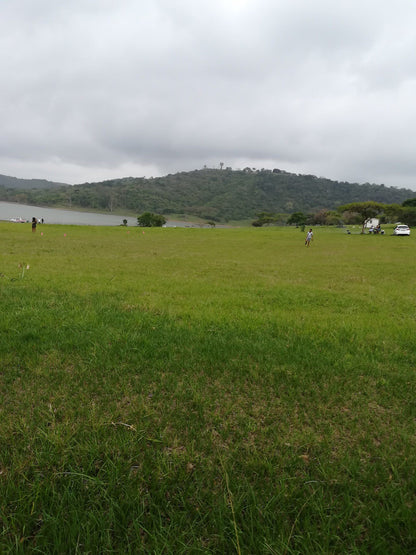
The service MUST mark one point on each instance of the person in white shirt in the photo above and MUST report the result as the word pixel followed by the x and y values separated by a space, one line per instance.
pixel 309 237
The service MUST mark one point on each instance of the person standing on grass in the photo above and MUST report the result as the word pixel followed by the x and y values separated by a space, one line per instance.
pixel 309 237
pixel 34 222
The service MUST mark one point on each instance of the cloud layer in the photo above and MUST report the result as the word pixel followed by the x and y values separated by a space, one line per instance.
pixel 96 89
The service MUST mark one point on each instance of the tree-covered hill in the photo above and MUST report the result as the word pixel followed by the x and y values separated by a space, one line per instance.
pixel 16 183
pixel 214 194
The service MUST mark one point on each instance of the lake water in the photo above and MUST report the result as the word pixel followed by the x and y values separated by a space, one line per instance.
pixel 9 210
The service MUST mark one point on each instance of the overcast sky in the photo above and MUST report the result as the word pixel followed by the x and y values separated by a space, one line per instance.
pixel 97 89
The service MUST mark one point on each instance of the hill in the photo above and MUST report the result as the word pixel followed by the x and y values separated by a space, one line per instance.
pixel 17 183
pixel 219 195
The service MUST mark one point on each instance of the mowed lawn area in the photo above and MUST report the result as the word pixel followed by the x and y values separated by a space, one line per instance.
pixel 206 391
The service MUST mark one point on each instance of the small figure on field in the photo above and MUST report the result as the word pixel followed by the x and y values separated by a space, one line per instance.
pixel 309 237
pixel 34 222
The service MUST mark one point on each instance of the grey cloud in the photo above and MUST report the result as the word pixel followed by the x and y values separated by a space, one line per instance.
pixel 93 88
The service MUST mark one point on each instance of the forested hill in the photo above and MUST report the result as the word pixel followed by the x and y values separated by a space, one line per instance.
pixel 212 194
pixel 16 183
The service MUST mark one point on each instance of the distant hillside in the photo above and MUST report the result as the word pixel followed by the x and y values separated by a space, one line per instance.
pixel 16 183
pixel 219 195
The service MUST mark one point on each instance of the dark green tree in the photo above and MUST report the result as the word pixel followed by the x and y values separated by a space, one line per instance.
pixel 264 218
pixel 148 219
pixel 297 218
pixel 405 213
pixel 393 213
pixel 409 215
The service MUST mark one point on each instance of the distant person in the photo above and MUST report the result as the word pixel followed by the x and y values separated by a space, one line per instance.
pixel 42 221
pixel 309 237
pixel 34 222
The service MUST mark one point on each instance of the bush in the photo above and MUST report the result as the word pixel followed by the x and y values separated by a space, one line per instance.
pixel 148 219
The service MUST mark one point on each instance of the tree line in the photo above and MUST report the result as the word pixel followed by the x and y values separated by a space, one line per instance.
pixel 348 214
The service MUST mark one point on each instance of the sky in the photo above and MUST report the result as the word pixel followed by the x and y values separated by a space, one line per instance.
pixel 101 89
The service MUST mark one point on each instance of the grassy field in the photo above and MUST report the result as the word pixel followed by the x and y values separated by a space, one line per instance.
pixel 206 391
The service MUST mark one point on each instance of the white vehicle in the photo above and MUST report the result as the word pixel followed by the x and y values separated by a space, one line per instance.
pixel 401 230
pixel 18 220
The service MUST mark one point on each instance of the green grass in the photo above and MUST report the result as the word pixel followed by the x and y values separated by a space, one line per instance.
pixel 206 391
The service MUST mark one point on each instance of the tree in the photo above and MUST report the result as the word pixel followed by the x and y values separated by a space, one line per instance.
pixel 264 218
pixel 297 218
pixel 409 202
pixel 393 213
pixel 351 218
pixel 367 210
pixel 405 213
pixel 409 215
pixel 333 218
pixel 148 219
pixel 325 217
pixel 321 217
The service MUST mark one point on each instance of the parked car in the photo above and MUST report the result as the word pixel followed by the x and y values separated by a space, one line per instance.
pixel 18 220
pixel 401 230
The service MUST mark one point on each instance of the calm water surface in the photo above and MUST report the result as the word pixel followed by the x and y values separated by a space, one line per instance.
pixel 10 210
